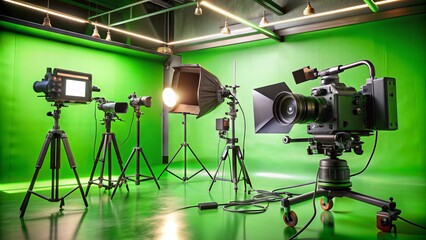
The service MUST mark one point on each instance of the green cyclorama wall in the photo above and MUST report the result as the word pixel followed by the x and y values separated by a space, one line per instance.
pixel 396 47
pixel 24 124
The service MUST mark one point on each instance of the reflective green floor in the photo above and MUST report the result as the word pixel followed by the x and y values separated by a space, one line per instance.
pixel 148 213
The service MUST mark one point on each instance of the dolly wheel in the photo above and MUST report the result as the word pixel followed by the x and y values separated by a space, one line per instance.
pixel 291 220
pixel 326 206
pixel 384 221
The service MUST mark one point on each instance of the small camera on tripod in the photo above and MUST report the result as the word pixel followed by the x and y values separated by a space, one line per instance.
pixel 139 101
pixel 222 126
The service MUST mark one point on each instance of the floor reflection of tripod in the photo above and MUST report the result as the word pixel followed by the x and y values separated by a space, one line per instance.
pixel 53 140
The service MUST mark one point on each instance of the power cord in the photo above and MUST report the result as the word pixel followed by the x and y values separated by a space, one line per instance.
pixel 313 215
pixel 130 130
pixel 96 132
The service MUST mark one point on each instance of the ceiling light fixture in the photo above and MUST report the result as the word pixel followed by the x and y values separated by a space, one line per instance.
pixel 80 20
pixel 225 29
pixel 96 32
pixel 46 20
pixel 309 10
pixel 108 36
pixel 198 10
pixel 47 11
pixel 165 49
pixel 223 12
pixel 264 20
pixel 342 10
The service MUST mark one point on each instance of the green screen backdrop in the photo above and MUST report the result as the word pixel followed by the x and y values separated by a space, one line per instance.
pixel 396 47
pixel 118 72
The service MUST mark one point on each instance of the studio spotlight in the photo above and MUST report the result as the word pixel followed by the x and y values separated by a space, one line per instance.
pixel 169 97
pixel 194 90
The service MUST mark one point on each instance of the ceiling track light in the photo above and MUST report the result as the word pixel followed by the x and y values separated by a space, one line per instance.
pixel 230 15
pixel 225 29
pixel 328 13
pixel 198 10
pixel 309 10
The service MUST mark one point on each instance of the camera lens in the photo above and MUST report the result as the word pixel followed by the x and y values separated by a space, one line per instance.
pixel 41 86
pixel 289 108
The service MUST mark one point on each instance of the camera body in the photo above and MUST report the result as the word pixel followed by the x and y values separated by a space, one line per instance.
pixel 343 109
pixel 65 86
pixel 334 107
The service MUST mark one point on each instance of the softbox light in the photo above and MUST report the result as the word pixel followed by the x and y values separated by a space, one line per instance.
pixel 197 90
pixel 263 99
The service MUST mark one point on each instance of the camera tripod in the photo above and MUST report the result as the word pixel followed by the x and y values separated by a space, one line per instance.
pixel 138 151
pixel 108 139
pixel 237 156
pixel 334 181
pixel 184 145
pixel 53 140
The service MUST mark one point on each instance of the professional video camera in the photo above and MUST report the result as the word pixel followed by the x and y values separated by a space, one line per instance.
pixel 66 86
pixel 333 107
pixel 338 117
pixel 139 101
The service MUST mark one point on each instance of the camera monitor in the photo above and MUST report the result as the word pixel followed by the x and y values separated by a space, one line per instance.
pixel 76 87
pixel 65 86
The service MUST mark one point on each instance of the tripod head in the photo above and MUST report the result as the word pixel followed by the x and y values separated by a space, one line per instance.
pixel 56 113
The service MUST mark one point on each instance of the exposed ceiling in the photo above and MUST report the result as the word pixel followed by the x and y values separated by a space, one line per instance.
pixel 174 20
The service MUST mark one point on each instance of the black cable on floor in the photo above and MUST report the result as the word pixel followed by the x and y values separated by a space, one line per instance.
pixel 313 215
pixel 412 223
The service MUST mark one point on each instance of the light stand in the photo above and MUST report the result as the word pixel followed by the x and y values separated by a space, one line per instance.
pixel 105 147
pixel 237 155
pixel 184 145
pixel 53 140
pixel 138 151
pixel 334 180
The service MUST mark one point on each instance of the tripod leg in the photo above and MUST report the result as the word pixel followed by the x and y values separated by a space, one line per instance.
pixel 120 161
pixel 95 164
pixel 193 153
pixel 168 164
pixel 122 173
pixel 243 168
pixel 39 163
pixel 149 167
pixel 73 166
pixel 218 167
